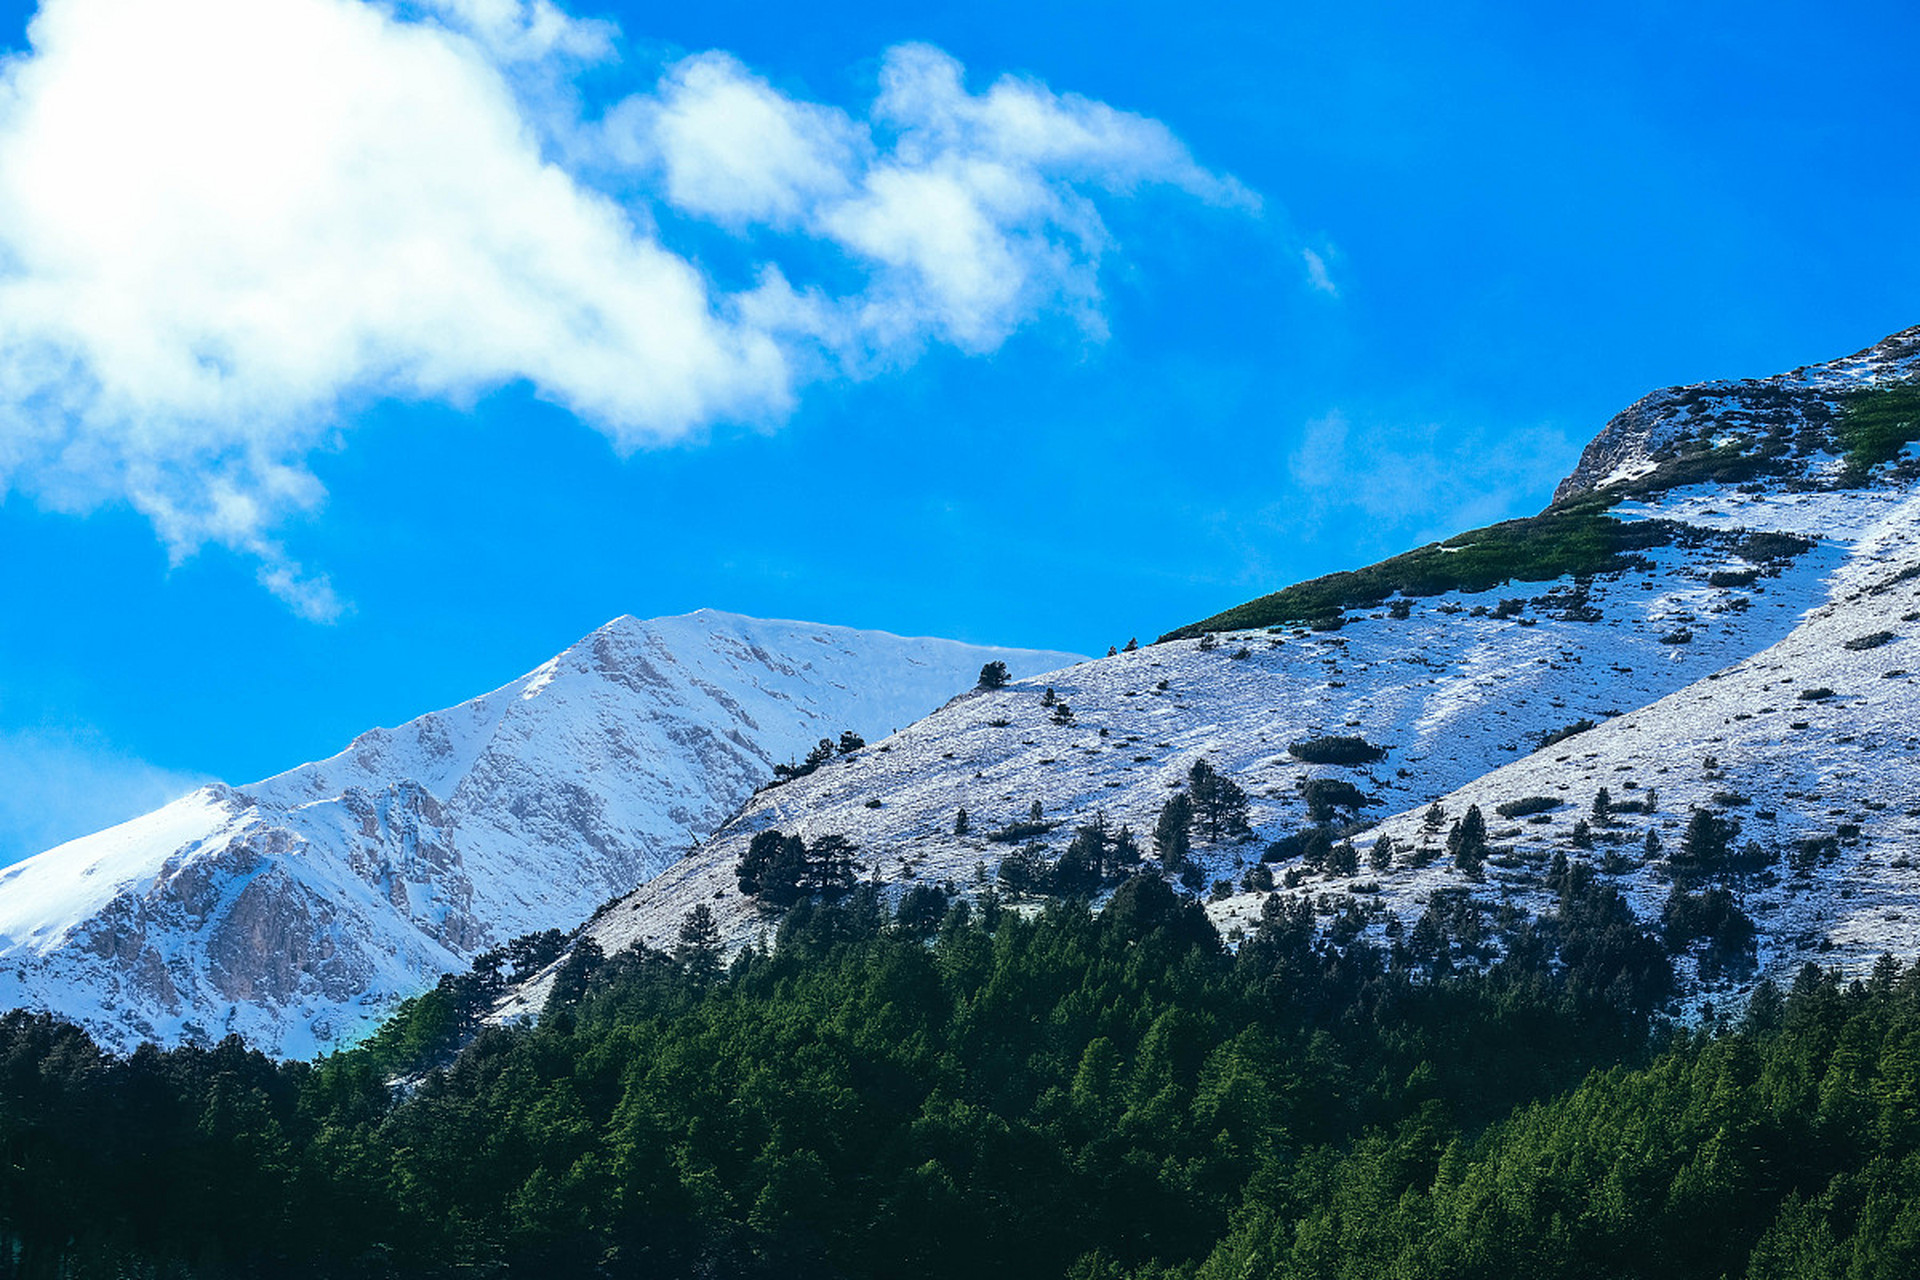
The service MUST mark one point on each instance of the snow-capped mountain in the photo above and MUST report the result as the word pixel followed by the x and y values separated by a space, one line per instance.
pixel 1738 563
pixel 298 910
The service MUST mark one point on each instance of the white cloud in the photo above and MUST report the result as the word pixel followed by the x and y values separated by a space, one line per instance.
pixel 57 785
pixel 223 221
pixel 1318 276
pixel 967 208
pixel 1387 482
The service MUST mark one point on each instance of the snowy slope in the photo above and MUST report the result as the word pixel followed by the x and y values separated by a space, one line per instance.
pixel 297 910
pixel 1461 698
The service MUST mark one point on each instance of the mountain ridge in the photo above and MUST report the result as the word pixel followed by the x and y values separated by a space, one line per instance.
pixel 1748 528
pixel 298 909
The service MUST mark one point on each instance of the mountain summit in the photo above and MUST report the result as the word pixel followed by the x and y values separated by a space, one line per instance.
pixel 298 910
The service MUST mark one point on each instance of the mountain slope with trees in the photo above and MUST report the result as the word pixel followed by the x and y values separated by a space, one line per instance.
pixel 1711 533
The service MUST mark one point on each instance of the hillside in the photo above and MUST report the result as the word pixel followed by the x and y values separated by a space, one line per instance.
pixel 1710 560
pixel 298 910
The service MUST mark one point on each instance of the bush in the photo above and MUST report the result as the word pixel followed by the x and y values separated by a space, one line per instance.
pixel 1875 425
pixel 1569 539
pixel 1527 806
pixel 1873 641
pixel 1324 796
pixel 1336 749
pixel 1553 737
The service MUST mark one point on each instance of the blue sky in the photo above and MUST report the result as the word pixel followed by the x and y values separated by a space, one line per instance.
pixel 343 358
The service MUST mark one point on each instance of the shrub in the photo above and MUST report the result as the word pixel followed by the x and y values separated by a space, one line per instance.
pixel 1326 795
pixel 1573 538
pixel 1336 749
pixel 1873 641
pixel 1875 425
pixel 1553 737
pixel 1771 548
pixel 1015 832
pixel 1815 694
pixel 1527 806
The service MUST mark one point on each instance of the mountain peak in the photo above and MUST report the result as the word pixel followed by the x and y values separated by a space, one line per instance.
pixel 1786 427
pixel 298 909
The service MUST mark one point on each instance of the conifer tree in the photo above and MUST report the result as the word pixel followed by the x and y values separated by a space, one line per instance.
pixel 698 947
pixel 1467 842
pixel 1219 803
pixel 830 865
pixel 1172 832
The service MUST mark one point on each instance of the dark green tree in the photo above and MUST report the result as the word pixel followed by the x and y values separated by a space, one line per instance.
pixel 1173 832
pixel 698 947
pixel 1219 804
pixel 830 865
pixel 1467 841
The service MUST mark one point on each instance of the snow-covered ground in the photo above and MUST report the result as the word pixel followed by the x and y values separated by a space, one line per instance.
pixel 1673 669
pixel 296 911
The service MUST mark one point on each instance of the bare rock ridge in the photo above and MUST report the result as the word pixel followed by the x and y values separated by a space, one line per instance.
pixel 1748 655
pixel 1801 405
pixel 298 910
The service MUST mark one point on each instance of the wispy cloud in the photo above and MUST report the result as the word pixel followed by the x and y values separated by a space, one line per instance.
pixel 224 221
pixel 1318 277
pixel 1394 483
pixel 56 785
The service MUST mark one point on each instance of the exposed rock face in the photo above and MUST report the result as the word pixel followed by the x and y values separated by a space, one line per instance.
pixel 1801 406
pixel 297 910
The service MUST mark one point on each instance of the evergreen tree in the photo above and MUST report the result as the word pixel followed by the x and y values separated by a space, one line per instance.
pixel 829 864
pixel 1380 857
pixel 994 675
pixel 1172 832
pixel 960 822
pixel 921 909
pixel 850 742
pixel 1707 845
pixel 1130 646
pixel 1467 842
pixel 756 861
pixel 698 947
pixel 1602 808
pixel 1219 804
